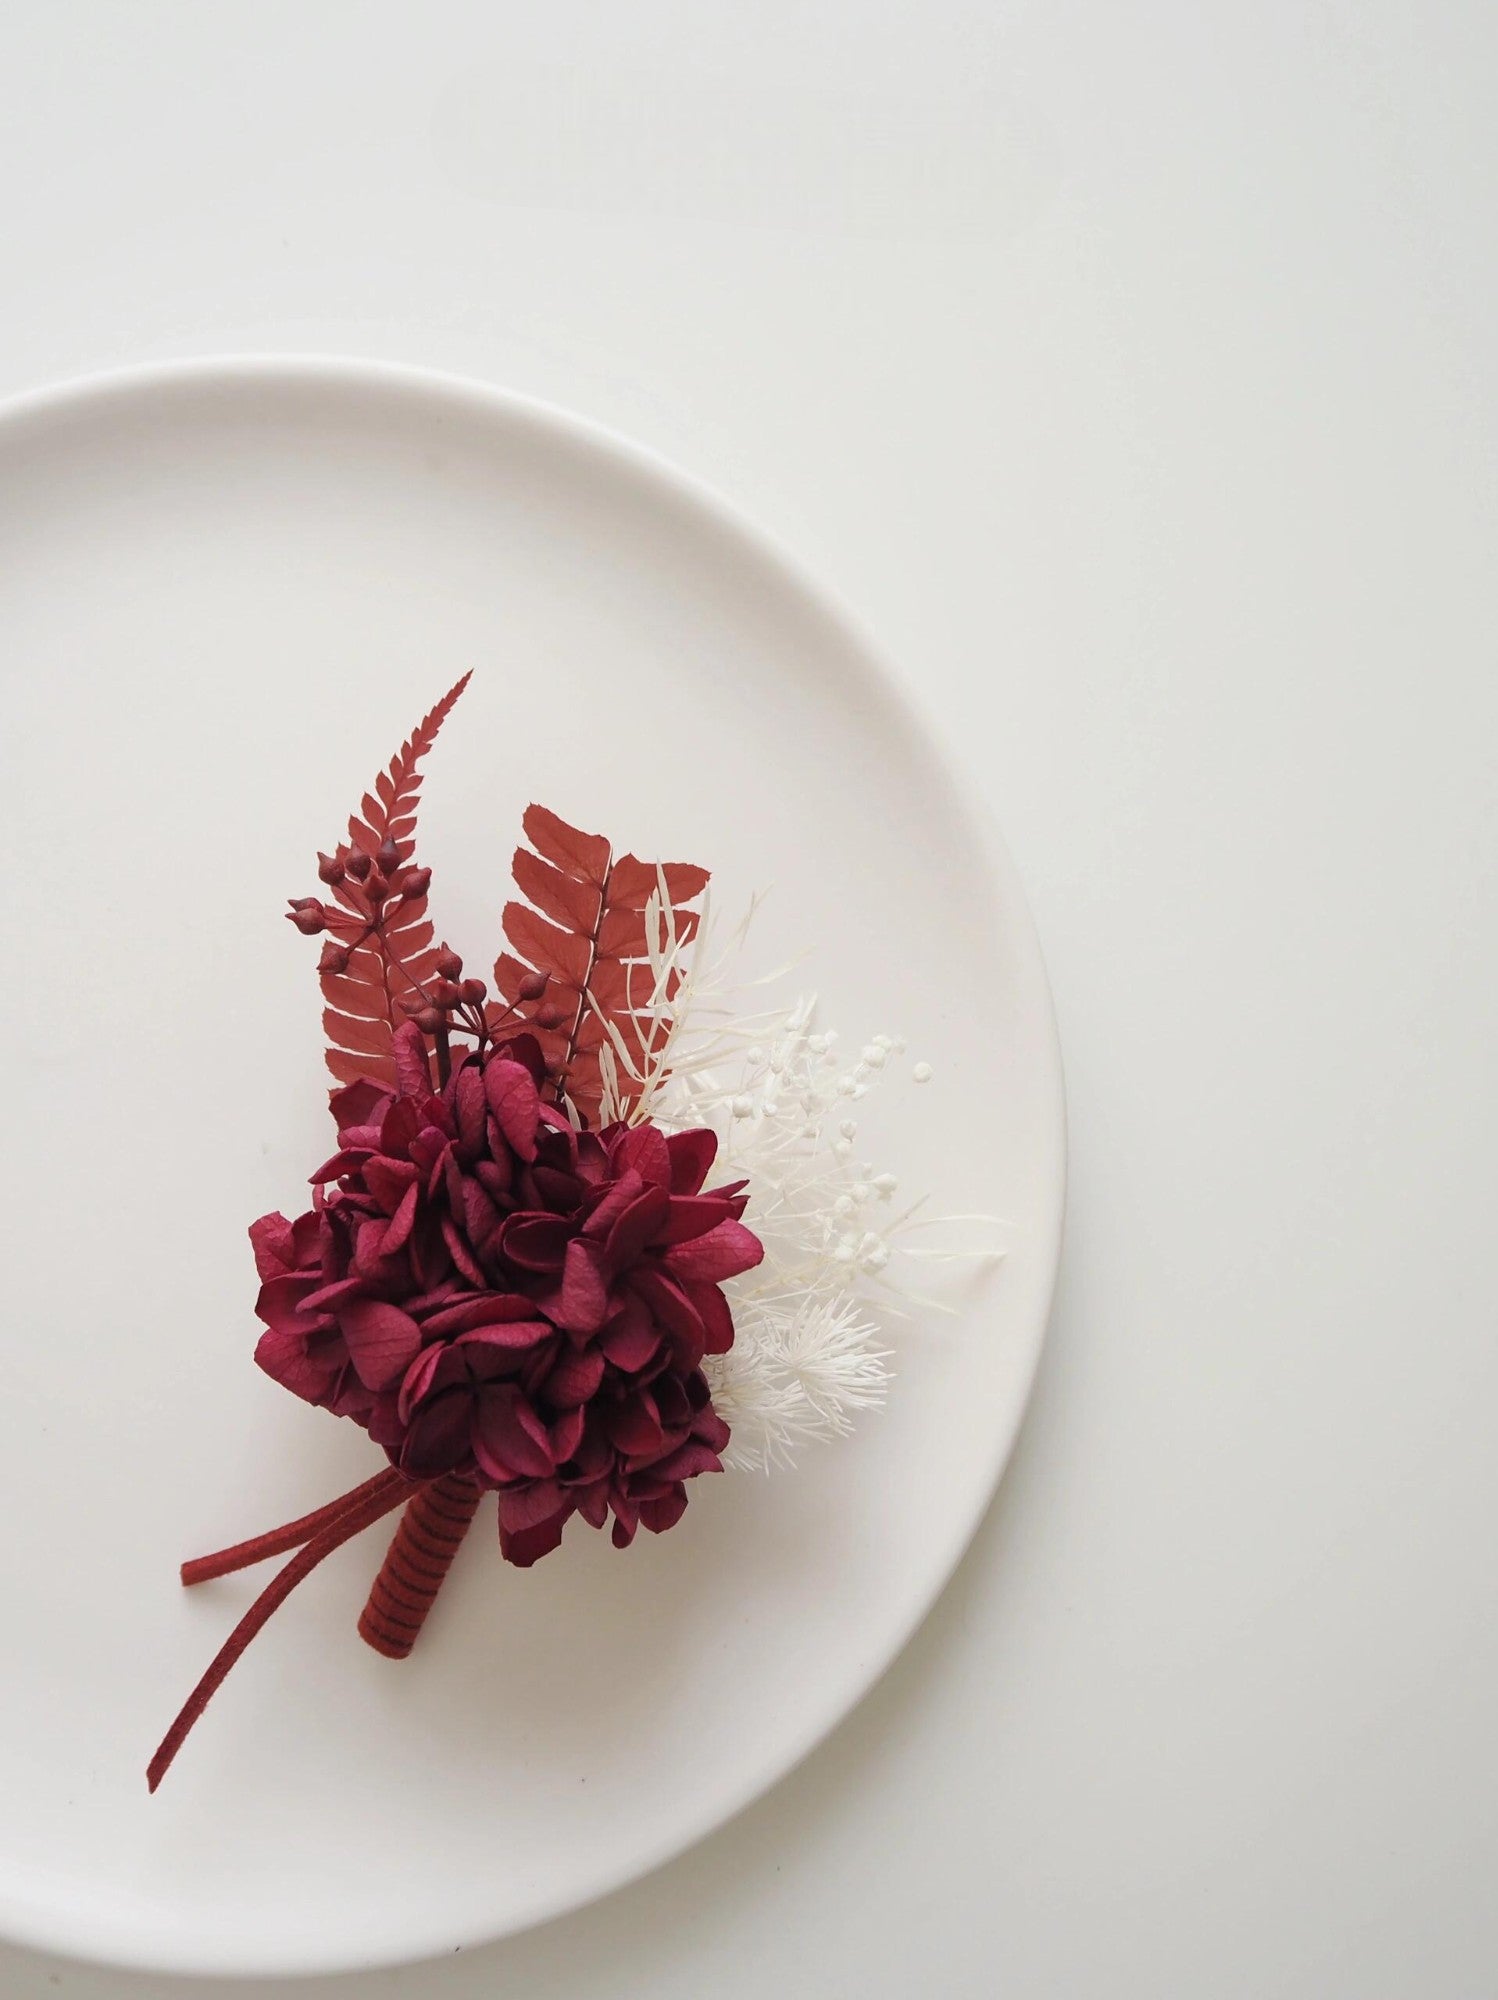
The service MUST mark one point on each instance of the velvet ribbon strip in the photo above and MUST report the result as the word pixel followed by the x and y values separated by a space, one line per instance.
pixel 437 1516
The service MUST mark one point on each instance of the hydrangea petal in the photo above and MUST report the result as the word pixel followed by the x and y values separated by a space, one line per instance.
pixel 658 1515
pixel 634 1426
pixel 515 1102
pixel 610 1198
pixel 575 1378
pixel 512 1335
pixel 580 1304
pixel 631 1337
pixel 389 1181
pixel 524 1546
pixel 398 1230
pixel 689 1216
pixel 476 1309
pixel 566 1434
pixel 437 1439
pixel 279 1303
pixel 724 1252
pixel 536 1242
pixel 382 1340
pixel 412 1071
pixel 674 1312
pixel 358 1103
pixel 272 1238
pixel 527 1506
pixel 460 1253
pixel 469 1105
pixel 714 1312
pixel 285 1358
pixel 644 1148
pixel 636 1227
pixel 687 1461
pixel 691 1155
pixel 509 1439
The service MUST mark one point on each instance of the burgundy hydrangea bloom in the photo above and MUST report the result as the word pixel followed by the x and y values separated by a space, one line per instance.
pixel 492 1293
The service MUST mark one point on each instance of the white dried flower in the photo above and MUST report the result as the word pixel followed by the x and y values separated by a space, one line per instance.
pixel 794 1375
pixel 805 1358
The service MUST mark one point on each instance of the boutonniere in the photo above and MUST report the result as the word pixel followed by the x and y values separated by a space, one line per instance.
pixel 586 1233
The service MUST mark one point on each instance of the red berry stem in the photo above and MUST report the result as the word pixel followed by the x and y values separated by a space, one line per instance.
pixel 276 1541
pixel 352 1521
pixel 429 1536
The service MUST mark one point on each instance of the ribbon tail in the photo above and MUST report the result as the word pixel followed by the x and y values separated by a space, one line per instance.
pixel 352 1521
pixel 276 1541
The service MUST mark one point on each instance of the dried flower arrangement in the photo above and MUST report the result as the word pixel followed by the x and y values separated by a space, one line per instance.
pixel 527 1268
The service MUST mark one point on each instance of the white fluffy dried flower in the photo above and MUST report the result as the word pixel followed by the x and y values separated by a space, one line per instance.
pixel 783 1100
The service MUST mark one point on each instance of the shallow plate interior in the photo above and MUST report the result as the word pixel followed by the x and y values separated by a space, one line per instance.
pixel 225 595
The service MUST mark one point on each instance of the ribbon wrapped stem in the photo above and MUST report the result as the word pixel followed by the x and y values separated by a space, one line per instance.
pixel 430 1534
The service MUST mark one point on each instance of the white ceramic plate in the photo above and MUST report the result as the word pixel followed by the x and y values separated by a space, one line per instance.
pixel 226 592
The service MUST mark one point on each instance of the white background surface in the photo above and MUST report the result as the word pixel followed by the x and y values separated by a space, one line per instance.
pixel 1130 369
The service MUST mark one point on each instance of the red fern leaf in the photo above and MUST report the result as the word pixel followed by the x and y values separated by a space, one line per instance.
pixel 377 914
pixel 583 925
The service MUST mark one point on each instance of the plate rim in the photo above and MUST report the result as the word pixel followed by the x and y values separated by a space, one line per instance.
pixel 28 1924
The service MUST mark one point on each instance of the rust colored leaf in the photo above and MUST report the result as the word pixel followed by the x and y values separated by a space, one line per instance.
pixel 348 1068
pixel 365 1037
pixel 567 955
pixel 554 894
pixel 583 855
pixel 390 939
pixel 583 925
pixel 633 883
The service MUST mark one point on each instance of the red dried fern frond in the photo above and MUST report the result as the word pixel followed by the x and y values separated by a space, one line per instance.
pixel 384 950
pixel 584 927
